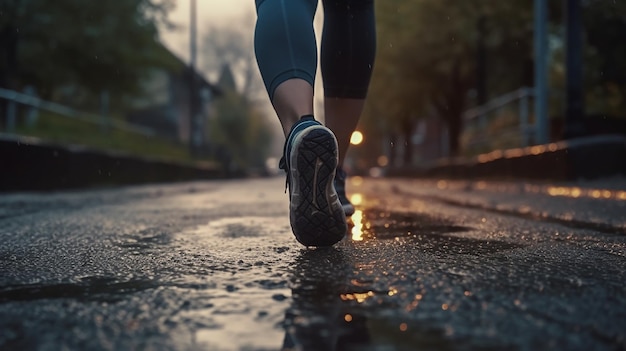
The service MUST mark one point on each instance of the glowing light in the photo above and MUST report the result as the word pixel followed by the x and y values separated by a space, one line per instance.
pixel 356 180
pixel 356 199
pixel 357 230
pixel 607 194
pixel 496 154
pixel 383 161
pixel 576 192
pixel 483 158
pixel 403 327
pixel 621 195
pixel 347 318
pixel 558 191
pixel 536 150
pixel 358 297
pixel 596 194
pixel 356 138
pixel 514 153
pixel 392 292
pixel 445 307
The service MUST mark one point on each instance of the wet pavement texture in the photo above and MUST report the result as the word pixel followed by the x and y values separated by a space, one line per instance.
pixel 214 266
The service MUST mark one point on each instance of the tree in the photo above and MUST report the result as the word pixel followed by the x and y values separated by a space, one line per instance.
pixel 238 125
pixel 233 46
pixel 98 45
pixel 427 55
pixel 605 64
pixel 238 129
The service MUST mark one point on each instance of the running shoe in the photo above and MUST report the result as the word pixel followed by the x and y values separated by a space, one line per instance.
pixel 310 160
pixel 340 187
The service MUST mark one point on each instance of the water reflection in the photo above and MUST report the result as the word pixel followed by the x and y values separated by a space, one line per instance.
pixel 318 318
pixel 357 229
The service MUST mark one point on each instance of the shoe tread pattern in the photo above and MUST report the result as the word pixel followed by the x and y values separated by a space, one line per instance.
pixel 317 222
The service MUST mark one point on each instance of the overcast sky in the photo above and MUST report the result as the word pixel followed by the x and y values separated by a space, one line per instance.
pixel 209 12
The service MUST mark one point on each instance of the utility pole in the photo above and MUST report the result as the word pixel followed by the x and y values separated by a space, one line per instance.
pixel 542 123
pixel 481 62
pixel 574 104
pixel 194 123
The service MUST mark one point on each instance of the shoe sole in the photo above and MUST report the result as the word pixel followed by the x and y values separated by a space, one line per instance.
pixel 316 215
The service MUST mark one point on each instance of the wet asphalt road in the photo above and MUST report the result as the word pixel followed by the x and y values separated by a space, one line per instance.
pixel 213 266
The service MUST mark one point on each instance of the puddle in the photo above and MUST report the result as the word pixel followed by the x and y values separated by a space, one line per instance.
pixel 103 289
pixel 240 227
pixel 431 234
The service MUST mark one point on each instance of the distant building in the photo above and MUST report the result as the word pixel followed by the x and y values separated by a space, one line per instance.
pixel 165 107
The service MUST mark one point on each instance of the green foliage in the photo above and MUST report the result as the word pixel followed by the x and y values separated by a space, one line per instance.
pixel 427 57
pixel 93 44
pixel 238 128
pixel 65 130
pixel 605 67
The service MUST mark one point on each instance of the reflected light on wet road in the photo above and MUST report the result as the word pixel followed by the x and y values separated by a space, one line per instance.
pixel 551 190
pixel 357 230
pixel 576 192
pixel 358 297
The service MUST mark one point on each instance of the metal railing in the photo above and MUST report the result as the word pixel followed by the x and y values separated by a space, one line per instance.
pixel 479 119
pixel 15 98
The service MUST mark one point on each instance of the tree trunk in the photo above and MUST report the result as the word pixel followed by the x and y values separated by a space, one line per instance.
pixel 454 135
pixel 393 149
pixel 455 107
pixel 8 65
pixel 407 132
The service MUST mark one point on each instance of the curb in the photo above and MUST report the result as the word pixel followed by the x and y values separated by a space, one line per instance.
pixel 586 158
pixel 32 164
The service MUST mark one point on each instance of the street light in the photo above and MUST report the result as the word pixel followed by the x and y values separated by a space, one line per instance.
pixel 356 138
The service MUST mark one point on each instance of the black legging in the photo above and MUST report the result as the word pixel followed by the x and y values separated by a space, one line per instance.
pixel 285 44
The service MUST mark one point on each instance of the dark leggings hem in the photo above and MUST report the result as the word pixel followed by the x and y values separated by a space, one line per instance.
pixel 287 75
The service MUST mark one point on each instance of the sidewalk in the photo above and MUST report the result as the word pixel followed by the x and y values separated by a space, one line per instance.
pixel 598 205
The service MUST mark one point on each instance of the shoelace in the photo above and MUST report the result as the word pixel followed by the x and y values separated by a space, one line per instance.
pixel 282 164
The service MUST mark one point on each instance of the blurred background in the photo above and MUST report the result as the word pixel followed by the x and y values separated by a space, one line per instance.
pixel 177 79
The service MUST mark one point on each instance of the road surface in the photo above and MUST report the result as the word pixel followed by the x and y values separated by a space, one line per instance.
pixel 428 265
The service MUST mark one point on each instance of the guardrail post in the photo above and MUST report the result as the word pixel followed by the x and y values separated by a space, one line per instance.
pixel 11 115
pixel 542 127
pixel 33 113
pixel 104 111
pixel 523 120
